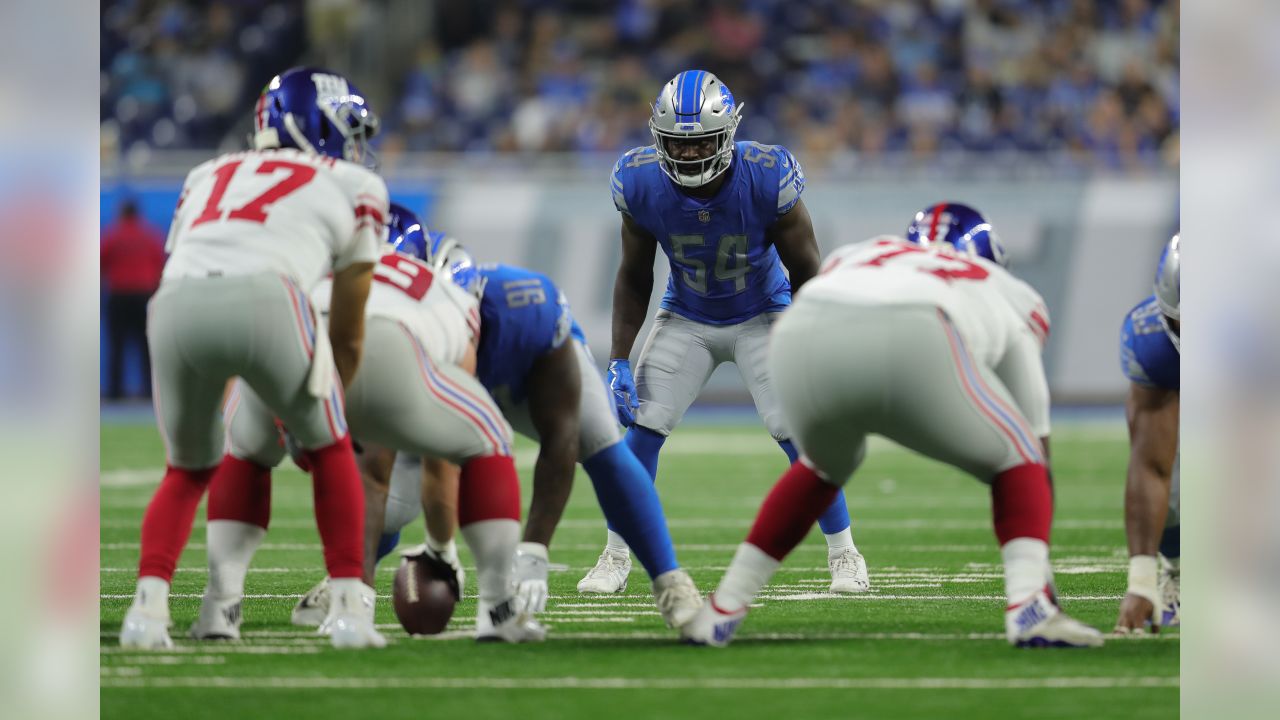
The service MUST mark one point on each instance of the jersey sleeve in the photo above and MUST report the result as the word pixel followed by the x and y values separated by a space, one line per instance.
pixel 564 320
pixel 1027 305
pixel 371 207
pixel 617 187
pixel 790 179
pixel 1130 365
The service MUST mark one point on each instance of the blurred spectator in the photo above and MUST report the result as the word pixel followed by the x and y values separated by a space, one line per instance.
pixel 922 76
pixel 132 261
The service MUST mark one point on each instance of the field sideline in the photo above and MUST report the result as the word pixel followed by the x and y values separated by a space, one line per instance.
pixel 926 642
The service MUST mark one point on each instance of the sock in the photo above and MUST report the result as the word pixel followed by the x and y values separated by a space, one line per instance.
pixel 645 444
pixel 152 596
pixel 339 503
pixel 1022 503
pixel 747 574
pixel 231 547
pixel 166 526
pixel 1026 562
pixel 1171 543
pixel 489 516
pixel 790 509
pixel 631 505
pixel 615 543
pixel 839 541
pixel 387 543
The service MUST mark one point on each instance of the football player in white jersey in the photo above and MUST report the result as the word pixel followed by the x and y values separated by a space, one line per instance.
pixel 936 347
pixel 413 395
pixel 253 232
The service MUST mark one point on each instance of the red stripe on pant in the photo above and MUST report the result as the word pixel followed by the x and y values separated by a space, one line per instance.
pixel 489 490
pixel 790 509
pixel 241 491
pixel 166 526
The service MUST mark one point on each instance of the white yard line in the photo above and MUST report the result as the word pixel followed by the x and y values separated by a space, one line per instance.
pixel 621 683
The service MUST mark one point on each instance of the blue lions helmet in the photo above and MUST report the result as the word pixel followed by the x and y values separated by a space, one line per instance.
pixel 315 111
pixel 696 109
pixel 959 226
pixel 447 255
pixel 406 233
pixel 1168 290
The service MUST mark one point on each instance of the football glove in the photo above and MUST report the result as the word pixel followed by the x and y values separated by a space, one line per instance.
pixel 444 565
pixel 624 391
pixel 531 576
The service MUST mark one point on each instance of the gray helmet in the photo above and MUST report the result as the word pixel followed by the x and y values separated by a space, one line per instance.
pixel 1168 287
pixel 694 105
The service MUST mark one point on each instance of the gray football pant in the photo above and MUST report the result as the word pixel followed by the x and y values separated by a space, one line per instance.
pixel 598 430
pixel 400 399
pixel 845 371
pixel 679 356
pixel 205 331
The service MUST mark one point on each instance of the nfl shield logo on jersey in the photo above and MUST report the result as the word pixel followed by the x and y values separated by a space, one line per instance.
pixel 704 216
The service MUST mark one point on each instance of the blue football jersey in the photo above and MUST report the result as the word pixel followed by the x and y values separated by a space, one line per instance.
pixel 723 270
pixel 1147 355
pixel 522 316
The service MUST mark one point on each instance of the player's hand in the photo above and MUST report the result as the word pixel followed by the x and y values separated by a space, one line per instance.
pixel 531 576
pixel 442 566
pixel 1137 614
pixel 624 391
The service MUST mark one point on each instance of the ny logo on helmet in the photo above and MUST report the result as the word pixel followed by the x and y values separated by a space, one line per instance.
pixel 330 87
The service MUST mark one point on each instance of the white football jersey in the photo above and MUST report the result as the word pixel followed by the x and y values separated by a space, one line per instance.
pixel 443 317
pixel 280 210
pixel 1003 321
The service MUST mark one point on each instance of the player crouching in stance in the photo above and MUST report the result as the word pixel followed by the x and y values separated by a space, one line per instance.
pixel 1150 353
pixel 729 217
pixel 938 349
pixel 533 358
pixel 253 233
pixel 411 396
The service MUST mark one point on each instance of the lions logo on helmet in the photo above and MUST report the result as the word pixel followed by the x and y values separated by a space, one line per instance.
pixel 1168 290
pixel 406 233
pixel 446 255
pixel 960 226
pixel 694 109
pixel 316 111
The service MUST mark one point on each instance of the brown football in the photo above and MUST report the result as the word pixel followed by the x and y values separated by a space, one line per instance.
pixel 423 595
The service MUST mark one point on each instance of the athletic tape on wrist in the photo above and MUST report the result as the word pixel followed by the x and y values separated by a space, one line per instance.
pixel 1143 571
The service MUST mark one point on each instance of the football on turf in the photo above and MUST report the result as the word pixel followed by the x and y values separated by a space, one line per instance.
pixel 423 594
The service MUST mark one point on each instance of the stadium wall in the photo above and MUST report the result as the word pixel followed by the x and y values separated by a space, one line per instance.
pixel 1088 244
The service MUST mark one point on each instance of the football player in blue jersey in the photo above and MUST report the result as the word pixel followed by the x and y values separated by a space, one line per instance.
pixel 1150 353
pixel 533 359
pixel 729 217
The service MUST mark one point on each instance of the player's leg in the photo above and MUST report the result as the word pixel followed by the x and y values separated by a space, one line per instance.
pixel 951 408
pixel 238 511
pixel 285 342
pixel 674 365
pixel 750 354
pixel 809 366
pixel 402 399
pixel 186 399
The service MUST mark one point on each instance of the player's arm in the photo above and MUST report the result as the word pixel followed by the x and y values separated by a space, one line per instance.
pixel 346 317
pixel 633 286
pixel 555 388
pixel 1152 413
pixel 792 235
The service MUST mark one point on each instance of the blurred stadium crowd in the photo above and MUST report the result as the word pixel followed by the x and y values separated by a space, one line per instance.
pixel 1085 83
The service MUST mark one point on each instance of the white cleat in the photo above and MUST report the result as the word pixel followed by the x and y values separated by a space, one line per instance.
pixel 1039 622
pixel 313 607
pixel 505 622
pixel 219 619
pixel 350 621
pixel 609 575
pixel 145 631
pixel 848 571
pixel 677 597
pixel 1169 588
pixel 711 625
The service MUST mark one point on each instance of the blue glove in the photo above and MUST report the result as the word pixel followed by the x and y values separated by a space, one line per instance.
pixel 624 391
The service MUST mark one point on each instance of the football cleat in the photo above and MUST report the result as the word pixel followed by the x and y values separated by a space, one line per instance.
pixel 350 620
pixel 848 571
pixel 313 608
pixel 145 631
pixel 677 597
pixel 1169 587
pixel 505 622
pixel 1039 622
pixel 712 625
pixel 609 575
pixel 219 619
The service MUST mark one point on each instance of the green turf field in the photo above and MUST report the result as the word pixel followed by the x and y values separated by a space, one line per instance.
pixel 927 642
